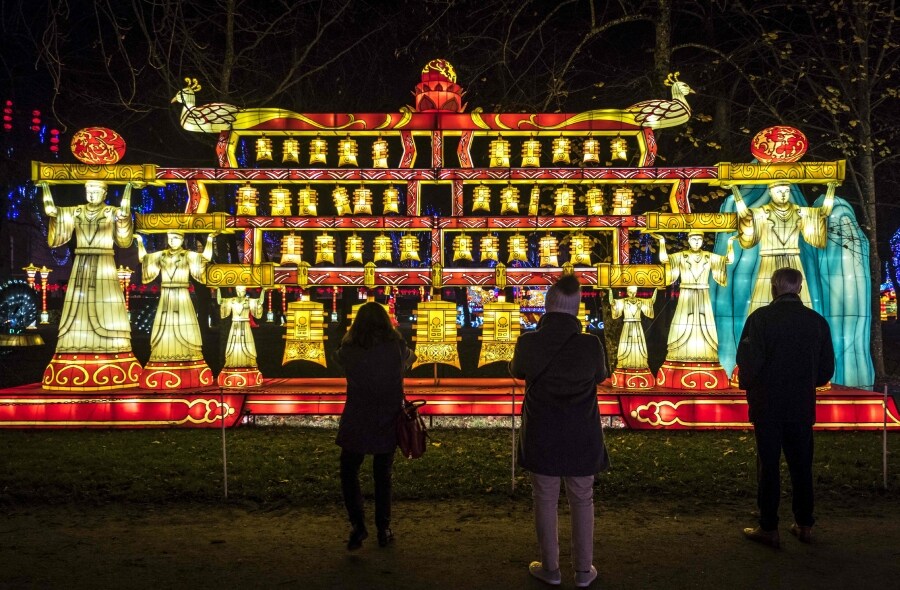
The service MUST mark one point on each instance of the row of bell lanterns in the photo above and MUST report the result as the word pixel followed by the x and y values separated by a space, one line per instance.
pixel 580 246
pixel 499 151
pixel 563 200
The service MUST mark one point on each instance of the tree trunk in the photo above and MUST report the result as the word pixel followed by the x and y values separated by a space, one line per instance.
pixel 662 55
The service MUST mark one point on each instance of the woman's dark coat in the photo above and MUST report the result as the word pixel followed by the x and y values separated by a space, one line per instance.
pixel 561 432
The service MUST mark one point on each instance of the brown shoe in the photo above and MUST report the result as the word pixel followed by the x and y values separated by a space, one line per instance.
pixel 804 533
pixel 769 538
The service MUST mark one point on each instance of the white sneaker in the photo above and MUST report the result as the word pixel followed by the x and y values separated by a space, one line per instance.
pixel 585 579
pixel 553 578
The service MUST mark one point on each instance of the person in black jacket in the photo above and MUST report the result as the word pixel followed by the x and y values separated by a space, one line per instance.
pixel 562 438
pixel 374 356
pixel 785 352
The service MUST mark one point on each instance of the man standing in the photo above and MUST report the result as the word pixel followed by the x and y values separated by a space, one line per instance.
pixel 785 352
pixel 562 438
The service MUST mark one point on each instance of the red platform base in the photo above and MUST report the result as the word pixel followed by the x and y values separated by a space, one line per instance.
pixel 176 375
pixel 239 378
pixel 692 376
pixel 633 378
pixel 92 372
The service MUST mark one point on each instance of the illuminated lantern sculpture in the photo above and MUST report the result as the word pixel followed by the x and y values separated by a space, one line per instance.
pixel 124 273
pixel 325 249
pixel 362 201
pixel 280 201
pixel 548 251
pixel 341 200
pixel 779 144
pixel 462 247
pixel 383 247
pixel 580 249
pixel 623 199
pixel 246 200
pixel 435 333
pixel 481 200
pixel 534 200
pixel 97 145
pixel 353 250
pixel 438 90
pixel 499 153
pixel 291 249
pixel 509 199
pixel 307 201
pixel 240 369
pixel 380 153
pixel 263 149
pixel 564 199
pixel 531 153
pixel 391 200
pixel 561 148
pixel 499 332
pixel 318 151
pixel 591 150
pixel 290 151
pixel 305 333
pixel 518 248
pixel 619 148
pixel 632 370
pixel 347 151
pixel 490 248
pixel 409 247
pixel 594 198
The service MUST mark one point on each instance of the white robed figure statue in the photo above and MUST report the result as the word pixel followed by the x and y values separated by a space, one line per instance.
pixel 241 369
pixel 632 370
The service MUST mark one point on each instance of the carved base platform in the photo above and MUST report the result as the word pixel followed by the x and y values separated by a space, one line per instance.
pixel 239 377
pixel 91 372
pixel 176 375
pixel 692 376
pixel 633 378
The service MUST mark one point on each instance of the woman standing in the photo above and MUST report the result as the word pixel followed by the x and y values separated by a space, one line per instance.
pixel 374 356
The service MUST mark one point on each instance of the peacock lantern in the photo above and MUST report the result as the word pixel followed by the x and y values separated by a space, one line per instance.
pixel 438 90
pixel 207 118
pixel 659 114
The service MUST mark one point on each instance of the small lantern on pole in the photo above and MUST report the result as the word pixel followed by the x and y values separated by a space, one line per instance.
pixel 45 276
pixel 124 275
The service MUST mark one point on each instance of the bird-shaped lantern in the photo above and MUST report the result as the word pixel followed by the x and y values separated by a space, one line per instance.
pixel 383 247
pixel 347 151
pixel 318 151
pixel 391 200
pixel 246 200
pixel 490 248
pixel 561 148
pixel 280 201
pixel 307 201
pixel 208 118
pixel 341 200
pixel 379 153
pixel 409 248
pixel 290 151
pixel 531 153
pixel 509 200
pixel 534 200
pixel 594 198
pixel 518 248
pixel 291 249
pixel 564 199
pixel 499 153
pixel 353 249
pixel 580 249
pixel 548 251
pixel 325 249
pixel 362 201
pixel 263 149
pixel 623 199
pixel 659 114
pixel 481 199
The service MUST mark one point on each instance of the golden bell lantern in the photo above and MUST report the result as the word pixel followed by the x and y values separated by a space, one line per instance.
pixel 307 201
pixel 246 200
pixel 594 198
pixel 409 247
pixel 263 149
pixel 518 248
pixel 280 201
pixel 291 249
pixel 391 200
pixel 347 151
pixel 462 247
pixel 534 200
pixel 509 199
pixel 435 333
pixel 290 151
pixel 305 333
pixel 341 200
pixel 499 153
pixel 379 153
pixel 623 199
pixel 318 150
pixel 383 249
pixel 353 249
pixel 561 148
pixel 499 332
pixel 619 148
pixel 591 150
pixel 490 248
pixel 481 200
pixel 564 199
pixel 548 251
pixel 325 249
pixel 362 201
pixel 531 153
pixel 580 249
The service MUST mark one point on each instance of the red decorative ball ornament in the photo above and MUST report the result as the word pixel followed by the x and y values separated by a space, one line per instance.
pixel 98 145
pixel 779 144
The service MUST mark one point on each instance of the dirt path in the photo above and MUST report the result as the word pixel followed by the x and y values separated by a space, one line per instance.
pixel 451 544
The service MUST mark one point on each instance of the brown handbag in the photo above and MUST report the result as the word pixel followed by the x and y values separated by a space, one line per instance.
pixel 411 431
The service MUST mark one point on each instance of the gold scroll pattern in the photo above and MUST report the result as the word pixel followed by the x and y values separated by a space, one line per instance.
pixel 76 173
pixel 305 333
pixel 797 172
pixel 639 275
pixel 679 222
pixel 500 330
pixel 248 275
pixel 184 222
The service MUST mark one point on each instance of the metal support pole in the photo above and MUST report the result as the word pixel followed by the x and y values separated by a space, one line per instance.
pixel 884 439
pixel 224 451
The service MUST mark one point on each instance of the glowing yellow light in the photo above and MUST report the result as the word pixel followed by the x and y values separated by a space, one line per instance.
pixel 347 151
pixel 594 198
pixel 561 148
pixel 619 148
pixel 290 151
pixel 353 251
pixel 307 201
pixel 391 200
pixel 263 149
pixel 591 150
pixel 246 200
pixel 623 199
pixel 499 153
pixel 490 248
pixel 409 247
pixel 518 248
pixel 534 200
pixel 325 249
pixel 280 201
pixel 383 247
pixel 580 249
pixel 564 199
pixel 548 251
pixel 318 150
pixel 462 247
pixel 291 249
pixel 509 199
pixel 531 153
pixel 482 198
pixel 31 271
pixel 380 153
pixel 341 200
pixel 362 201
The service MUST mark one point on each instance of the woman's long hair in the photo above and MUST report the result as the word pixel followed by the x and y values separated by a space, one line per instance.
pixel 372 326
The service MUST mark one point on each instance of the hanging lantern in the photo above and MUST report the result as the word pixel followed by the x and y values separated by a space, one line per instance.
pixel 307 201
pixel 462 247
pixel 534 201
pixel 564 199
pixel 291 249
pixel 531 153
pixel 580 249
pixel 499 153
pixel 594 198
pixel 341 200
pixel 482 198
pixel 548 251
pixel 409 247
pixel 509 199
pixel 353 250
pixel 383 249
pixel 518 248
pixel 280 201
pixel 499 332
pixel 263 149
pixel 362 201
pixel 619 148
pixel 246 200
pixel 591 150
pixel 561 148
pixel 347 151
pixel 391 200
pixel 623 199
pixel 490 248
pixel 290 151
pixel 325 249
pixel 318 150
pixel 380 153
pixel 435 333
pixel 305 334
